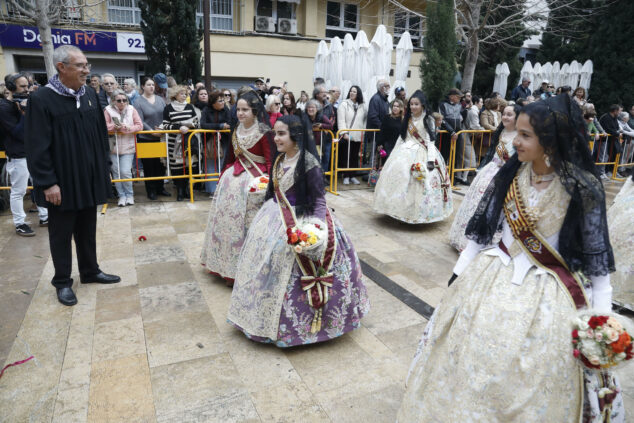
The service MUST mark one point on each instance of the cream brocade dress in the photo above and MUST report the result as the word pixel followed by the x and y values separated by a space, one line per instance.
pixel 230 214
pixel 621 227
pixel 498 347
pixel 400 195
pixel 480 183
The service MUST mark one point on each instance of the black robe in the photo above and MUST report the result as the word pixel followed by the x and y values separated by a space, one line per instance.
pixel 68 146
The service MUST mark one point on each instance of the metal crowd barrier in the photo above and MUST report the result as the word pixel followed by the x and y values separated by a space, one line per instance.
pixel 603 150
pixel 453 168
pixel 203 176
pixel 334 157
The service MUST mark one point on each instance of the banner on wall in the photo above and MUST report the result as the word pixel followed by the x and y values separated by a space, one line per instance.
pixel 18 36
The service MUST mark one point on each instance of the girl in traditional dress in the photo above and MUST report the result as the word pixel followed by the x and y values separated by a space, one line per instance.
pixel 621 224
pixel 500 151
pixel 233 205
pixel 414 185
pixel 290 297
pixel 498 348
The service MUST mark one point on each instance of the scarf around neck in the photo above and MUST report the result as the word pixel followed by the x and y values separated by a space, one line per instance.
pixel 56 85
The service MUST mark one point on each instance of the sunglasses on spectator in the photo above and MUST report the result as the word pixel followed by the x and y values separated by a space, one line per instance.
pixel 551 86
pixel 227 94
pixel 278 104
pixel 121 100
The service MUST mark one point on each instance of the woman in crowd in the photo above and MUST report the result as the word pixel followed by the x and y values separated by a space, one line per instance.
pixel 627 148
pixel 498 347
pixel 499 153
pixel 123 120
pixel 490 117
pixel 303 99
pixel 414 185
pixel 181 116
pixel 150 108
pixel 129 86
pixel 273 107
pixel 579 96
pixel 200 100
pixel 232 205
pixel 472 122
pixel 622 239
pixel 391 126
pixel 352 114
pixel 270 301
pixel 228 97
pixel 322 139
pixel 288 104
pixel 216 116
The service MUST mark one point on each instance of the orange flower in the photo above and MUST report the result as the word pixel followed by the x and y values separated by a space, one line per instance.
pixel 294 238
pixel 303 237
pixel 264 179
pixel 622 343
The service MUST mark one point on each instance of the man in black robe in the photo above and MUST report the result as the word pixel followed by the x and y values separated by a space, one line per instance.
pixel 67 154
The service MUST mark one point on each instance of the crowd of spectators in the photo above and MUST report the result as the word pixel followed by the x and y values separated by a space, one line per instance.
pixel 160 103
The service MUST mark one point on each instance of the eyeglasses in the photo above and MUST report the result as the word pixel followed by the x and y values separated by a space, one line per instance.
pixel 278 104
pixel 551 86
pixel 109 83
pixel 121 100
pixel 86 66
pixel 227 94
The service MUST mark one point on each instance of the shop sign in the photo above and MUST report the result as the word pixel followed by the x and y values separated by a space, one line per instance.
pixel 29 37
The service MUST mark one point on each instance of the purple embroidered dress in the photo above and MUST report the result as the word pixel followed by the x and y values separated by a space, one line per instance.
pixel 268 303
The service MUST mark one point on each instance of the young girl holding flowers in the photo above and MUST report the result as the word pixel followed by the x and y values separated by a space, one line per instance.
pixel 298 278
pixel 233 204
pixel 498 348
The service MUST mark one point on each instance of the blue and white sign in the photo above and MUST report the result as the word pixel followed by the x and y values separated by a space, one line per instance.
pixel 130 42
pixel 116 42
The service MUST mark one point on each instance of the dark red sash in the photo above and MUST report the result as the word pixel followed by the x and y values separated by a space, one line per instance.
pixel 444 178
pixel 245 161
pixel 317 278
pixel 523 227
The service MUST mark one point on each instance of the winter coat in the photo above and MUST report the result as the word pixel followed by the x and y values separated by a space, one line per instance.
pixel 130 121
pixel 345 115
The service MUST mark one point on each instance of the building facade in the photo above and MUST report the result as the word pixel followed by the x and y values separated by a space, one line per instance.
pixel 274 39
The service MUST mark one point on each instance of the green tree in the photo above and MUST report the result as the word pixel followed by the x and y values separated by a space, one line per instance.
pixel 438 65
pixel 505 49
pixel 171 37
pixel 603 37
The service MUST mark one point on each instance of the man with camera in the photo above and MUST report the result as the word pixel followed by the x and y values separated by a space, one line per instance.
pixel 12 110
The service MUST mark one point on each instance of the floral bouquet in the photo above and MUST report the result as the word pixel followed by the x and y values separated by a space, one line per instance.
pixel 418 171
pixel 600 341
pixel 259 184
pixel 307 238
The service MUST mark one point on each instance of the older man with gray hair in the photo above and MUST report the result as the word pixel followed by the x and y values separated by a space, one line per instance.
pixel 109 85
pixel 67 151
pixel 378 107
pixel 522 90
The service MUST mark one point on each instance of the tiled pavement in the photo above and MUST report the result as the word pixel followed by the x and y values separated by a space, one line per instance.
pixel 156 347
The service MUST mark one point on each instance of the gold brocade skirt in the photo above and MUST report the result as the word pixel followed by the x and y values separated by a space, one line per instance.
pixel 496 352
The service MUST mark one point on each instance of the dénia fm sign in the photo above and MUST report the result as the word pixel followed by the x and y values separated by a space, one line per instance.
pixel 29 37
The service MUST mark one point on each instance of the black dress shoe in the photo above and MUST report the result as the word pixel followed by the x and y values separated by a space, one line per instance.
pixel 101 277
pixel 151 195
pixel 165 193
pixel 66 296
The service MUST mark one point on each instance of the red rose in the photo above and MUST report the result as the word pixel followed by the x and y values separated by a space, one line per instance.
pixel 575 334
pixel 252 189
pixel 317 226
pixel 596 321
pixel 576 353
pixel 289 231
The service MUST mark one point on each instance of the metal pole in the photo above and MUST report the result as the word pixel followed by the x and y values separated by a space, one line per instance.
pixel 206 44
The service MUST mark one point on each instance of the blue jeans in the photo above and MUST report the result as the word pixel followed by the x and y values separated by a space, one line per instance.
pixel 212 167
pixel 122 169
pixel 326 148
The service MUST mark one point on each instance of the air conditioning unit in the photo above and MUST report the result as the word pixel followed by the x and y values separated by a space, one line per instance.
pixel 264 24
pixel 287 26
